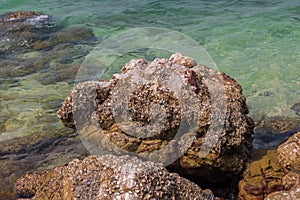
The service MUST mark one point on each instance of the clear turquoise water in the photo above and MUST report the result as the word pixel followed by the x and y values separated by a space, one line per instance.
pixel 255 42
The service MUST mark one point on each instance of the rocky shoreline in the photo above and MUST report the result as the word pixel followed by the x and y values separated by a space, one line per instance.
pixel 58 166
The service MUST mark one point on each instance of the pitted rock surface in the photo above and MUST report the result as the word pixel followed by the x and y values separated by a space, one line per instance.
pixel 167 108
pixel 109 177
pixel 289 152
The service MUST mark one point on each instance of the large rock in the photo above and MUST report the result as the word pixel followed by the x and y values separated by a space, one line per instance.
pixel 173 111
pixel 109 177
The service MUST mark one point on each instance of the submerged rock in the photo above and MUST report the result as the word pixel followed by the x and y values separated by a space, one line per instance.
pixel 35 153
pixel 173 111
pixel 109 177
pixel 296 108
pixel 30 73
pixel 14 21
pixel 22 29
pixel 270 132
pixel 32 30
pixel 74 34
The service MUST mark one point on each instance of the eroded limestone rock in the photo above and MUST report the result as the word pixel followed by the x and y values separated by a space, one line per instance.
pixel 109 177
pixel 171 111
pixel 289 152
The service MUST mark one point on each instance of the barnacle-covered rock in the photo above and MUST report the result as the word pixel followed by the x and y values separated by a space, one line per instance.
pixel 109 177
pixel 289 152
pixel 172 111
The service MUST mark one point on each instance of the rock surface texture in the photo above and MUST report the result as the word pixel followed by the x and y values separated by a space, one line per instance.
pixel 32 30
pixel 276 175
pixel 262 177
pixel 109 177
pixel 289 153
pixel 173 111
pixel 291 190
pixel 22 29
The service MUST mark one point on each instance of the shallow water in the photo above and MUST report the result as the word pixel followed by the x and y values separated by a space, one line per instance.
pixel 255 42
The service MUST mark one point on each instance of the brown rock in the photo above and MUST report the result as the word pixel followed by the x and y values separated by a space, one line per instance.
pixel 291 180
pixel 20 15
pixel 74 34
pixel 289 152
pixel 291 190
pixel 262 177
pixel 180 110
pixel 276 175
pixel 109 177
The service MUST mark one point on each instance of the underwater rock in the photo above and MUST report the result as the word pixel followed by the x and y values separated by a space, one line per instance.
pixel 74 34
pixel 37 31
pixel 22 29
pixel 270 132
pixel 296 108
pixel 21 20
pixel 109 177
pixel 170 111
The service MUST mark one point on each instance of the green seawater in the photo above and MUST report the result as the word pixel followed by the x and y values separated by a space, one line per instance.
pixel 255 42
